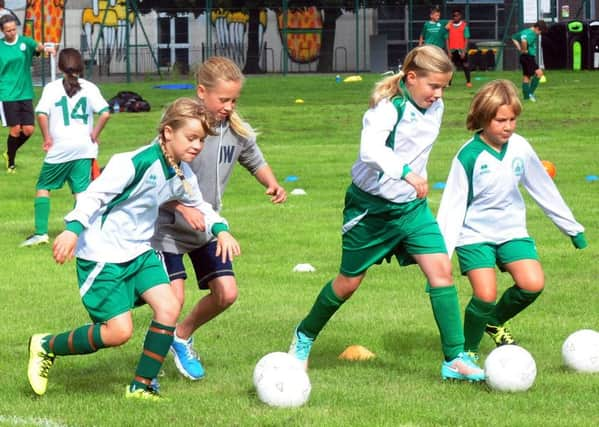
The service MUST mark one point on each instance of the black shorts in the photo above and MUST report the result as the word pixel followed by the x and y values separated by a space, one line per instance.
pixel 206 265
pixel 457 59
pixel 529 64
pixel 17 113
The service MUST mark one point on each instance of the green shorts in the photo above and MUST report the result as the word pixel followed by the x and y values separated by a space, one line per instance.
pixel 77 173
pixel 487 255
pixel 109 289
pixel 375 229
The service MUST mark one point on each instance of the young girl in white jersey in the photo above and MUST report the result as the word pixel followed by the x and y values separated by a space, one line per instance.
pixel 219 84
pixel 386 213
pixel 117 269
pixel 483 215
pixel 65 114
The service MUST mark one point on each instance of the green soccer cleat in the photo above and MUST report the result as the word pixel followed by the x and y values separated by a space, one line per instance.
pixel 462 368
pixel 40 362
pixel 148 394
pixel 501 335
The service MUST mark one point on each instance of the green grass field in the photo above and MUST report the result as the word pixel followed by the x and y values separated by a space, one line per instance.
pixel 317 141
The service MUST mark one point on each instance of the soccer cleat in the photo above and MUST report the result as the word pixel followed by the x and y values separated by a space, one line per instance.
pixel 532 98
pixel 11 170
pixel 468 84
pixel 462 368
pixel 300 347
pixel 501 335
pixel 40 362
pixel 149 394
pixel 186 359
pixel 34 240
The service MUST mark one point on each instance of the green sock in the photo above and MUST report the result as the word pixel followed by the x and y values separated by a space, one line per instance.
pixel 446 310
pixel 83 340
pixel 41 207
pixel 512 302
pixel 476 317
pixel 534 82
pixel 326 304
pixel 526 90
pixel 158 340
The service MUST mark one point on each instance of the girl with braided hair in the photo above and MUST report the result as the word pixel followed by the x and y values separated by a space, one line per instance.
pixel 109 232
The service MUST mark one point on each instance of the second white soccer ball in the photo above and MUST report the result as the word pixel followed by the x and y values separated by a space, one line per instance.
pixel 281 381
pixel 510 368
pixel 580 351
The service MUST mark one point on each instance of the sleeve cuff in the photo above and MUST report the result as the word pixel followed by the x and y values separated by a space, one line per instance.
pixel 579 241
pixel 218 227
pixel 406 170
pixel 75 226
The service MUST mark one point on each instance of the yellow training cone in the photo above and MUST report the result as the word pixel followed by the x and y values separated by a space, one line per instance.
pixel 299 101
pixel 356 352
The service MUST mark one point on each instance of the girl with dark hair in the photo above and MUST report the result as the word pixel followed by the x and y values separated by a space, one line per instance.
pixel 65 116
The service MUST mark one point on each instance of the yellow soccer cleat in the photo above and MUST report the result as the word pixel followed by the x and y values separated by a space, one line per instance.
pixel 40 362
pixel 148 394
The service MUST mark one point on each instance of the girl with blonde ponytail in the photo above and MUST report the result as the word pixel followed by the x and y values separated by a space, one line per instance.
pixel 386 214
pixel 219 84
pixel 109 232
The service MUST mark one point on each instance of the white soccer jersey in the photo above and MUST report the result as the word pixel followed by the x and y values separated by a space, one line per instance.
pixel 391 138
pixel 481 201
pixel 71 120
pixel 119 209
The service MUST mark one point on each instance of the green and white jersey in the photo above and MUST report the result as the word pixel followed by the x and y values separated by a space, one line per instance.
pixel 119 209
pixel 15 69
pixel 71 120
pixel 530 37
pixel 482 203
pixel 434 33
pixel 395 134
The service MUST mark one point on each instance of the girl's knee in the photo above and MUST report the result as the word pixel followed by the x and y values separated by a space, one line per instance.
pixel 227 298
pixel 117 335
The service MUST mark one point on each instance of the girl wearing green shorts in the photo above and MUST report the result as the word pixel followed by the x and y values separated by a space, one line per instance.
pixel 65 114
pixel 109 232
pixel 386 213
pixel 483 215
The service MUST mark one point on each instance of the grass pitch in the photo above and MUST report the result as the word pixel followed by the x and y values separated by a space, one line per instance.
pixel 316 141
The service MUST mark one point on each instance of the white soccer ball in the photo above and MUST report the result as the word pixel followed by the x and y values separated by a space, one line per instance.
pixel 510 368
pixel 580 351
pixel 281 381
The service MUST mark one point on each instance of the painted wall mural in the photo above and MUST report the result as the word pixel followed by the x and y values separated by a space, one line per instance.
pixel 303 47
pixel 48 14
pixel 231 27
pixel 107 20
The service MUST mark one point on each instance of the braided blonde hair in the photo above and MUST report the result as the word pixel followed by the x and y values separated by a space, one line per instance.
pixel 422 60
pixel 175 117
pixel 220 68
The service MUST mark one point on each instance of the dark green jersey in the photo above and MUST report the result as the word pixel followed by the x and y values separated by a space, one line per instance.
pixel 434 33
pixel 530 36
pixel 15 69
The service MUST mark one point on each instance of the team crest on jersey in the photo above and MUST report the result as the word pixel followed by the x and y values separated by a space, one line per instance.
pixel 23 47
pixel 518 166
pixel 484 169
pixel 152 180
